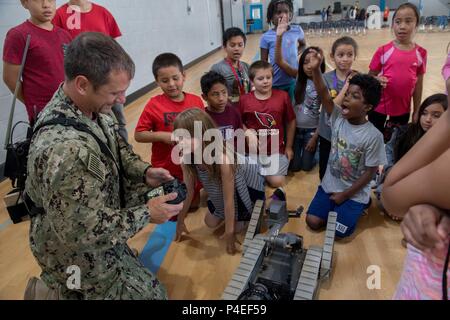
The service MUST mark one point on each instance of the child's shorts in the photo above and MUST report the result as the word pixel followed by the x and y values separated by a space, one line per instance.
pixel 348 212
pixel 242 213
pixel 273 165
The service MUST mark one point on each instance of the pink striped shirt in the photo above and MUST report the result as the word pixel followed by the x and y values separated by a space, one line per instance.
pixel 422 276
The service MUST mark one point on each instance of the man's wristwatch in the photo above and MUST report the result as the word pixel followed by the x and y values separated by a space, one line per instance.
pixel 145 173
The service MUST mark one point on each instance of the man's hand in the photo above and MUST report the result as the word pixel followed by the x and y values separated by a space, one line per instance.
pixel 181 228
pixel 231 241
pixel 339 197
pixel 283 25
pixel 426 227
pixel 154 177
pixel 289 153
pixel 160 211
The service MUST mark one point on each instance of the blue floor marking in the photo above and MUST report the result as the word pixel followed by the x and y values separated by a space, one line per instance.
pixel 157 246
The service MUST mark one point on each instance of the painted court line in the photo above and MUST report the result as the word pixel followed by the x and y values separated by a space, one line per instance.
pixel 5 224
pixel 157 246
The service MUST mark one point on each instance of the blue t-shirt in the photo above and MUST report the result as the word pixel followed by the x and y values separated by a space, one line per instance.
pixel 290 52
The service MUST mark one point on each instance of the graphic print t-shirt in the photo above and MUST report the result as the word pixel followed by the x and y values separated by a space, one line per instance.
pixel 159 115
pixel 353 149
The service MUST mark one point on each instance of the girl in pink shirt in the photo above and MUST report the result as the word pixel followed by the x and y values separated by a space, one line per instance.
pixel 400 66
pixel 418 187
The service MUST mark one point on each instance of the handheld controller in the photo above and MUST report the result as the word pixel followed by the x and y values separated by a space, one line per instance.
pixel 166 188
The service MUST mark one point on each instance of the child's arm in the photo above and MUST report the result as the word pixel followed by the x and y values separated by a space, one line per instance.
pixel 381 79
pixel 417 97
pixel 190 184
pixel 281 29
pixel 428 185
pixel 340 97
pixel 264 54
pixel 10 75
pixel 312 143
pixel 301 46
pixel 319 83
pixel 290 139
pixel 150 137
pixel 227 177
pixel 340 197
pixel 251 139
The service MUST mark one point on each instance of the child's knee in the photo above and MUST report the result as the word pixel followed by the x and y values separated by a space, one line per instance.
pixel 212 221
pixel 314 222
pixel 276 181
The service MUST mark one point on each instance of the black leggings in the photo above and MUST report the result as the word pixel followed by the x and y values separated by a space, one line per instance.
pixel 379 120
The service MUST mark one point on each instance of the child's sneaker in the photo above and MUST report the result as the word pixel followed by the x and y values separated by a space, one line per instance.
pixel 278 194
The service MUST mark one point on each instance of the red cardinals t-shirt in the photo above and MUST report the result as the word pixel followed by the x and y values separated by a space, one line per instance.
pixel 159 115
pixel 98 19
pixel 44 66
pixel 268 117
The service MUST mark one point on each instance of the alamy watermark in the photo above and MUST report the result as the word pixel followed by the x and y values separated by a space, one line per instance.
pixel 209 147
pixel 374 280
pixel 74 280
pixel 74 20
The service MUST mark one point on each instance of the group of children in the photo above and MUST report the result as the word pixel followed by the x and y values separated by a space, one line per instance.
pixel 288 108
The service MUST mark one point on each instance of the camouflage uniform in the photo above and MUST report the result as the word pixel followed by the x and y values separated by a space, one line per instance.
pixel 83 225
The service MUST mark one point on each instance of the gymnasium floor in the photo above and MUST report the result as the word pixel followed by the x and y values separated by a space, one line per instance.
pixel 198 267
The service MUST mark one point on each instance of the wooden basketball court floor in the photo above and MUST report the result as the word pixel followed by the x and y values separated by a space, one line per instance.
pixel 198 267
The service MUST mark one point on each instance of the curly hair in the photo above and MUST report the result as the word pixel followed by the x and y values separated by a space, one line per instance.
pixel 370 87
pixel 273 6
pixel 209 79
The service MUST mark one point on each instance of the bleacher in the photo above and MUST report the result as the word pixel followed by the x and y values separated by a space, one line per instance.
pixel 358 27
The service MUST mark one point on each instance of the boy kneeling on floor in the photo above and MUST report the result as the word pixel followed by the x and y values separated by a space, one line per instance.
pixel 357 150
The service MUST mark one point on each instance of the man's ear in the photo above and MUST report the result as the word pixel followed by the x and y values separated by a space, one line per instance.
pixel 24 3
pixel 82 85
pixel 205 97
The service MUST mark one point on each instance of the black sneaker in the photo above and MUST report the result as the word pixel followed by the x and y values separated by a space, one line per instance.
pixel 278 194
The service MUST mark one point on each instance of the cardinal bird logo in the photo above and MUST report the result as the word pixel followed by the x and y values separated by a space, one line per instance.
pixel 266 120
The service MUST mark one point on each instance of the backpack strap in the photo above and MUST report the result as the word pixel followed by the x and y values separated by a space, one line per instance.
pixel 67 122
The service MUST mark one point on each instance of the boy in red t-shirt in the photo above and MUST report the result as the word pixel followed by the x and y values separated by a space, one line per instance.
pixel 44 67
pixel 79 16
pixel 155 124
pixel 268 112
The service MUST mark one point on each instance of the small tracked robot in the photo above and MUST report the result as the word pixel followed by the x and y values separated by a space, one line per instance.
pixel 275 266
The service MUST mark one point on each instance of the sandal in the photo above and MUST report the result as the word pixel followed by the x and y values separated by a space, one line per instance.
pixel 392 217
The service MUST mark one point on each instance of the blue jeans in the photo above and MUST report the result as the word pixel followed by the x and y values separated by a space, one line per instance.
pixel 303 160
